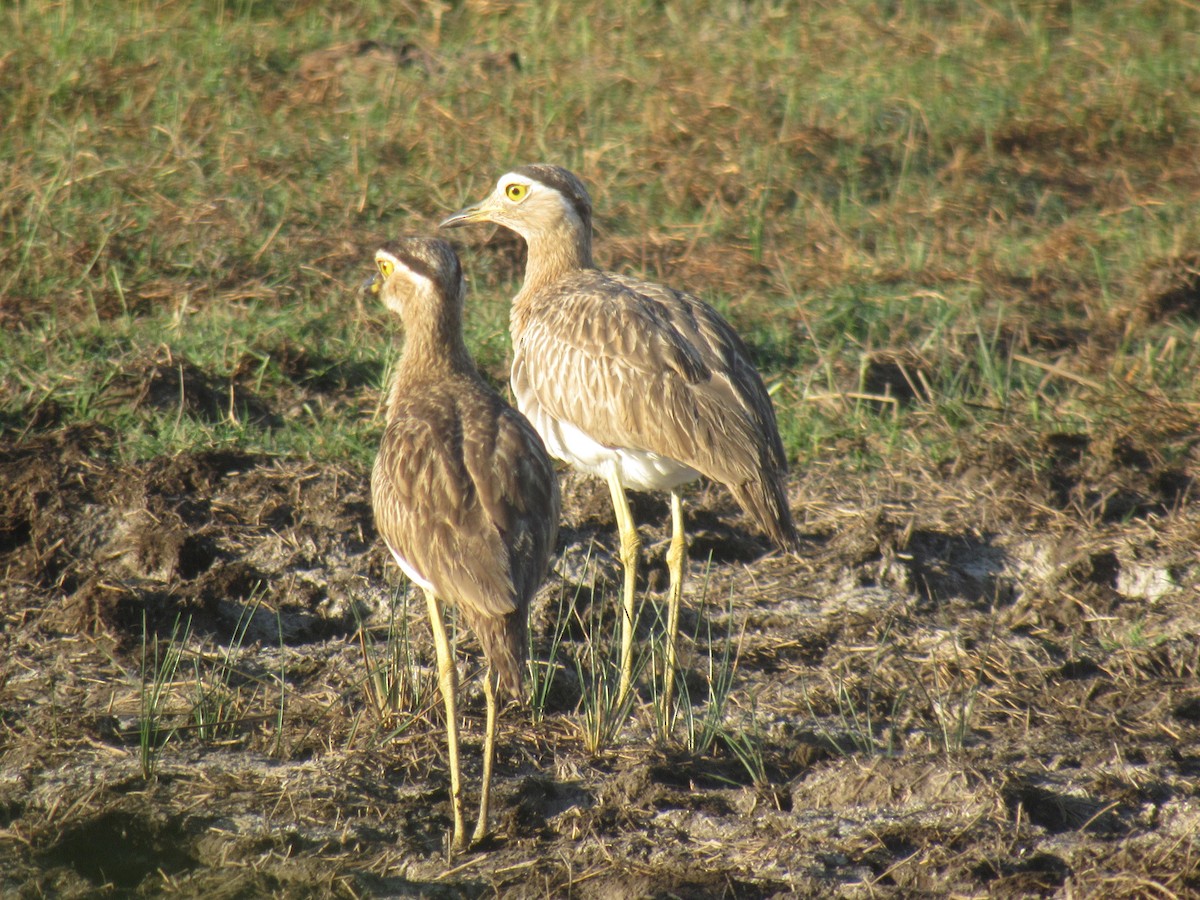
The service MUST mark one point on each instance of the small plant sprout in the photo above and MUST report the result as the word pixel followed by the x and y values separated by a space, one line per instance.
pixel 603 709
pixel 396 687
pixel 747 745
pixel 543 669
pixel 216 706
pixel 701 731
pixel 160 662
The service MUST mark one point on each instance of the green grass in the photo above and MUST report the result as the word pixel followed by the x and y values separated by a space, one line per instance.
pixel 601 713
pixel 159 665
pixel 191 690
pixel 958 184
pixel 702 728
pixel 397 691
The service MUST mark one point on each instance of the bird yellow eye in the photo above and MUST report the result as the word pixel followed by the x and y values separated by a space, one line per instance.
pixel 385 267
pixel 516 191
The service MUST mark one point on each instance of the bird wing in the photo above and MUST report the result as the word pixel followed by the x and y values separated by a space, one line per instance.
pixel 639 365
pixel 458 503
pixel 517 488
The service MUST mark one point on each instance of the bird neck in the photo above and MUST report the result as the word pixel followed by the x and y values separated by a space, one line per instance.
pixel 555 254
pixel 434 349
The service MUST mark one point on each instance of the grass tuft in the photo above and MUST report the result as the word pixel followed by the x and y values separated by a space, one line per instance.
pixel 159 666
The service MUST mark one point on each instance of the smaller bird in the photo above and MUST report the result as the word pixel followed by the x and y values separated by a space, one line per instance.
pixel 637 383
pixel 464 494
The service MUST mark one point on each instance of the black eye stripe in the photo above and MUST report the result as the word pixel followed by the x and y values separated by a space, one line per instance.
pixel 432 259
pixel 420 267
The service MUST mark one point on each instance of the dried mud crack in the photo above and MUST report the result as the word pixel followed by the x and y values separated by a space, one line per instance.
pixel 962 686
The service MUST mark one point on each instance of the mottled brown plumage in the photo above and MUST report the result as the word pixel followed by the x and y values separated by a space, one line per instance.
pixel 464 494
pixel 654 370
pixel 631 381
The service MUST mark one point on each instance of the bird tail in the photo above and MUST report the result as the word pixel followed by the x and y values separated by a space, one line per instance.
pixel 766 500
pixel 503 639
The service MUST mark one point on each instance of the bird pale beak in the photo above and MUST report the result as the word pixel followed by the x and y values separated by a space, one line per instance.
pixel 465 217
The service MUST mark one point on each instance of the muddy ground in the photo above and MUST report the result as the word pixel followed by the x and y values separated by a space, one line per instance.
pixel 978 680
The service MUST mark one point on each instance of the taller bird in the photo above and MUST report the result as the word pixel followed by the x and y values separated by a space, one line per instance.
pixel 639 384
pixel 464 495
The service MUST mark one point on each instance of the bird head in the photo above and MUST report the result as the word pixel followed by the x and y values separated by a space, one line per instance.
pixel 532 200
pixel 414 268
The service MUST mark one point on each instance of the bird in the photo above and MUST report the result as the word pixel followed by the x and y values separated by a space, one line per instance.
pixel 642 385
pixel 464 494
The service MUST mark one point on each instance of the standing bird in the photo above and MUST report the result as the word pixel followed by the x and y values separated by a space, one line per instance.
pixel 465 497
pixel 639 384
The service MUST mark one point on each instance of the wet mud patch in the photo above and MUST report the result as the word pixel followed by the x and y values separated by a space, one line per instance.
pixel 203 534
pixel 120 849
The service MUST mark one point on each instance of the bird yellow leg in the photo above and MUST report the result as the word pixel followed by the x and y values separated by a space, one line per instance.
pixel 489 755
pixel 448 682
pixel 630 549
pixel 676 556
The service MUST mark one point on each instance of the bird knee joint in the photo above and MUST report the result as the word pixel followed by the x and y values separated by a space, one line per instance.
pixel 631 546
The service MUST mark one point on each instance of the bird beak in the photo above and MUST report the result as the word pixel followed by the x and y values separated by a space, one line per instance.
pixel 373 284
pixel 476 213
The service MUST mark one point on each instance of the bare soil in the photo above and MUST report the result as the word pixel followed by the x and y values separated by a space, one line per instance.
pixel 979 680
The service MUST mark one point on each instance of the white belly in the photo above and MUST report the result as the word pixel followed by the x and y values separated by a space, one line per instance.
pixel 413 575
pixel 640 470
